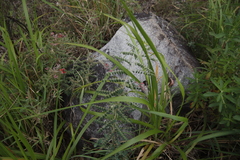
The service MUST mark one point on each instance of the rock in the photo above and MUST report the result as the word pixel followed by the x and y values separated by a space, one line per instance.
pixel 168 43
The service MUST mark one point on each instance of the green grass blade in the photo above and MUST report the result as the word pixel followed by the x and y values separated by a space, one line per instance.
pixel 113 99
pixel 109 57
pixel 14 68
pixel 30 28
pixel 210 136
pixel 110 116
pixel 4 151
pixel 146 37
pixel 157 152
pixel 20 139
pixel 132 141
pixel 217 134
pixel 73 147
pixel 174 117
pixel 182 153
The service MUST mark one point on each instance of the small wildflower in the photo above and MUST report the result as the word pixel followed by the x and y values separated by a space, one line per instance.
pixel 46 68
pixel 55 76
pixel 63 71
pixel 60 35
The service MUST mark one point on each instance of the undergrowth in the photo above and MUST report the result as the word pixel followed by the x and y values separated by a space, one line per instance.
pixel 38 68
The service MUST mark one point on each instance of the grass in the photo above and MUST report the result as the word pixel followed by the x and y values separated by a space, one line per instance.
pixel 37 48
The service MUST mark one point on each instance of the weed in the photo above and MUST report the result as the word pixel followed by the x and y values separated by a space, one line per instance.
pixel 217 82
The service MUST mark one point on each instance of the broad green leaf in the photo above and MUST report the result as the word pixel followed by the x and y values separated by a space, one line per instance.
pixel 210 94
pixel 230 98
pixel 219 35
pixel 220 107
pixel 213 104
pixel 219 97
pixel 236 39
pixel 236 117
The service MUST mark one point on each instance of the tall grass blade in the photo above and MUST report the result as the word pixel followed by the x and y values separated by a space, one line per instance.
pixel 157 152
pixel 30 28
pixel 132 141
pixel 6 151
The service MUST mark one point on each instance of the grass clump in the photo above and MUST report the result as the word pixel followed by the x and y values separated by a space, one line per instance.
pixel 217 83
pixel 34 67
pixel 214 88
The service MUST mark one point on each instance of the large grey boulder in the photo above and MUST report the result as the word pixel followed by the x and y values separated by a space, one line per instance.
pixel 167 41
pixel 124 47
